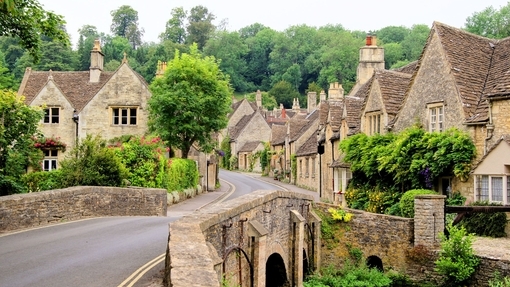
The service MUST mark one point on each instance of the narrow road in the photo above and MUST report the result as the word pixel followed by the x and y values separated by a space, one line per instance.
pixel 101 251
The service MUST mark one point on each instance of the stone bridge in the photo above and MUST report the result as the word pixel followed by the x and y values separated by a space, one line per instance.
pixel 266 238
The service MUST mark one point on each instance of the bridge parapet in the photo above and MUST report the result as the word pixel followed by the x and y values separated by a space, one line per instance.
pixel 263 234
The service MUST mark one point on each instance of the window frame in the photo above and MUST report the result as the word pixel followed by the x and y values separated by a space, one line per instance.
pixel 373 121
pixel 50 160
pixel 485 188
pixel 124 115
pixel 51 115
pixel 436 116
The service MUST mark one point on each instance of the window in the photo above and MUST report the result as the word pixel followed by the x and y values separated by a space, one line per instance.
pixel 313 166
pixel 300 168
pixel 373 122
pixel 494 188
pixel 307 166
pixel 436 118
pixel 50 159
pixel 124 116
pixel 51 115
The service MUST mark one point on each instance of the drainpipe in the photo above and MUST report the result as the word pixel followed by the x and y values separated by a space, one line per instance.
pixel 490 129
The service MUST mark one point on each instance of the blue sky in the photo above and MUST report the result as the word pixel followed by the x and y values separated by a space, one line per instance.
pixel 353 15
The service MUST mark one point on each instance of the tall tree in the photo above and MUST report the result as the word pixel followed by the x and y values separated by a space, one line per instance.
pixel 175 30
pixel 415 41
pixel 18 123
pixel 87 35
pixel 6 77
pixel 125 24
pixel 190 101
pixel 490 22
pixel 258 58
pixel 27 20
pixel 284 93
pixel 392 34
pixel 199 26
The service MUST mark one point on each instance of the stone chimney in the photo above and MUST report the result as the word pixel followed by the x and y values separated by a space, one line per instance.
pixel 295 105
pixel 311 102
pixel 371 58
pixel 160 70
pixel 96 62
pixel 322 96
pixel 335 92
pixel 258 99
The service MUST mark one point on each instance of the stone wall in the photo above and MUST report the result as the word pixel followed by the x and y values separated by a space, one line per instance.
pixel 387 237
pixel 34 209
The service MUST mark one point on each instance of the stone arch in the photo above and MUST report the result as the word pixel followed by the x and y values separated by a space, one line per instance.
pixel 276 273
pixel 375 262
pixel 232 259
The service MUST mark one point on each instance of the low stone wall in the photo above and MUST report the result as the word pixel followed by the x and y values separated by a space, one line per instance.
pixel 34 209
pixel 387 237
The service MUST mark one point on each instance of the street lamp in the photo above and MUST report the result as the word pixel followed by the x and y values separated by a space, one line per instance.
pixel 320 151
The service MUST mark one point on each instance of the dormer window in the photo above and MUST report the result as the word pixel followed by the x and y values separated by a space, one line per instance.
pixel 373 123
pixel 51 115
pixel 436 117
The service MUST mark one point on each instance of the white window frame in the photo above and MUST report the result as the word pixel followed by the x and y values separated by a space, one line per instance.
pixel 491 193
pixel 51 115
pixel 50 161
pixel 123 116
pixel 436 117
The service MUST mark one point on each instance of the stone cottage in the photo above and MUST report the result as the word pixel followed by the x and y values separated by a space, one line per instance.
pixel 75 104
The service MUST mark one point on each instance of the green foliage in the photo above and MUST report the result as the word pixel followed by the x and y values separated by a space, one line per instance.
pixel 349 275
pixel 27 20
pixel 284 93
pixel 144 159
pixel 265 158
pixel 182 174
pixel 268 102
pixel 43 180
pixel 225 147
pixel 18 124
pixel 497 281
pixel 490 22
pixel 92 163
pixel 233 163
pixel 293 166
pixel 485 224
pixel 407 201
pixel 455 199
pixel 393 163
pixel 339 214
pixel 190 101
pixel 456 261
pixel 125 24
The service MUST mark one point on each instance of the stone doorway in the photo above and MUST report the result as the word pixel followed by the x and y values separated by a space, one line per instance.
pixel 276 275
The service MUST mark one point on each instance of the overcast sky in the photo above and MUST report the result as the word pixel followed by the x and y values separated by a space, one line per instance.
pixel 363 15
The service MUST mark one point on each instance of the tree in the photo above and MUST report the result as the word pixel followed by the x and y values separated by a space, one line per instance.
pixel 125 24
pixel 6 77
pixel 18 123
pixel 175 30
pixel 490 22
pixel 199 26
pixel 190 101
pixel 284 93
pixel 392 34
pixel 27 20
pixel 414 42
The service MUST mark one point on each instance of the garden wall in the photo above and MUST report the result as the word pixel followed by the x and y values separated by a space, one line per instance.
pixel 34 209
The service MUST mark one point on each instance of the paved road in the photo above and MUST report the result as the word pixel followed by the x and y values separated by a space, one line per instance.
pixel 103 251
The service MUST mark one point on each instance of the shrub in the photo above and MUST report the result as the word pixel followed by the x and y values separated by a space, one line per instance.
pixel 407 201
pixel 91 162
pixel 486 224
pixel 456 261
pixel 43 180
pixel 349 275
pixel 182 174
pixel 497 281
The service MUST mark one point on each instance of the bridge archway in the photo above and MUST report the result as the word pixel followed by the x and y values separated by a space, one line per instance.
pixel 375 262
pixel 276 275
pixel 233 261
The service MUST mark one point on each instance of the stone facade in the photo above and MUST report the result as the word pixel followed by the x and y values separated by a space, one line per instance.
pixel 41 208
pixel 238 239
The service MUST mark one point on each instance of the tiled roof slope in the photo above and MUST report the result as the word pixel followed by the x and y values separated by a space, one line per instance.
pixel 498 81
pixel 236 130
pixel 296 125
pixel 335 114
pixel 278 133
pixel 309 147
pixel 353 106
pixel 469 56
pixel 408 69
pixel 324 111
pixel 393 88
pixel 75 86
pixel 249 146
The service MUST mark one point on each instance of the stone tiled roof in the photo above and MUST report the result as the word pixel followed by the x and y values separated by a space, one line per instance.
pixel 278 134
pixel 498 82
pixel 353 106
pixel 324 111
pixel 393 87
pixel 408 69
pixel 309 147
pixel 340 163
pixel 470 58
pixel 236 130
pixel 249 146
pixel 296 126
pixel 335 114
pixel 75 86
